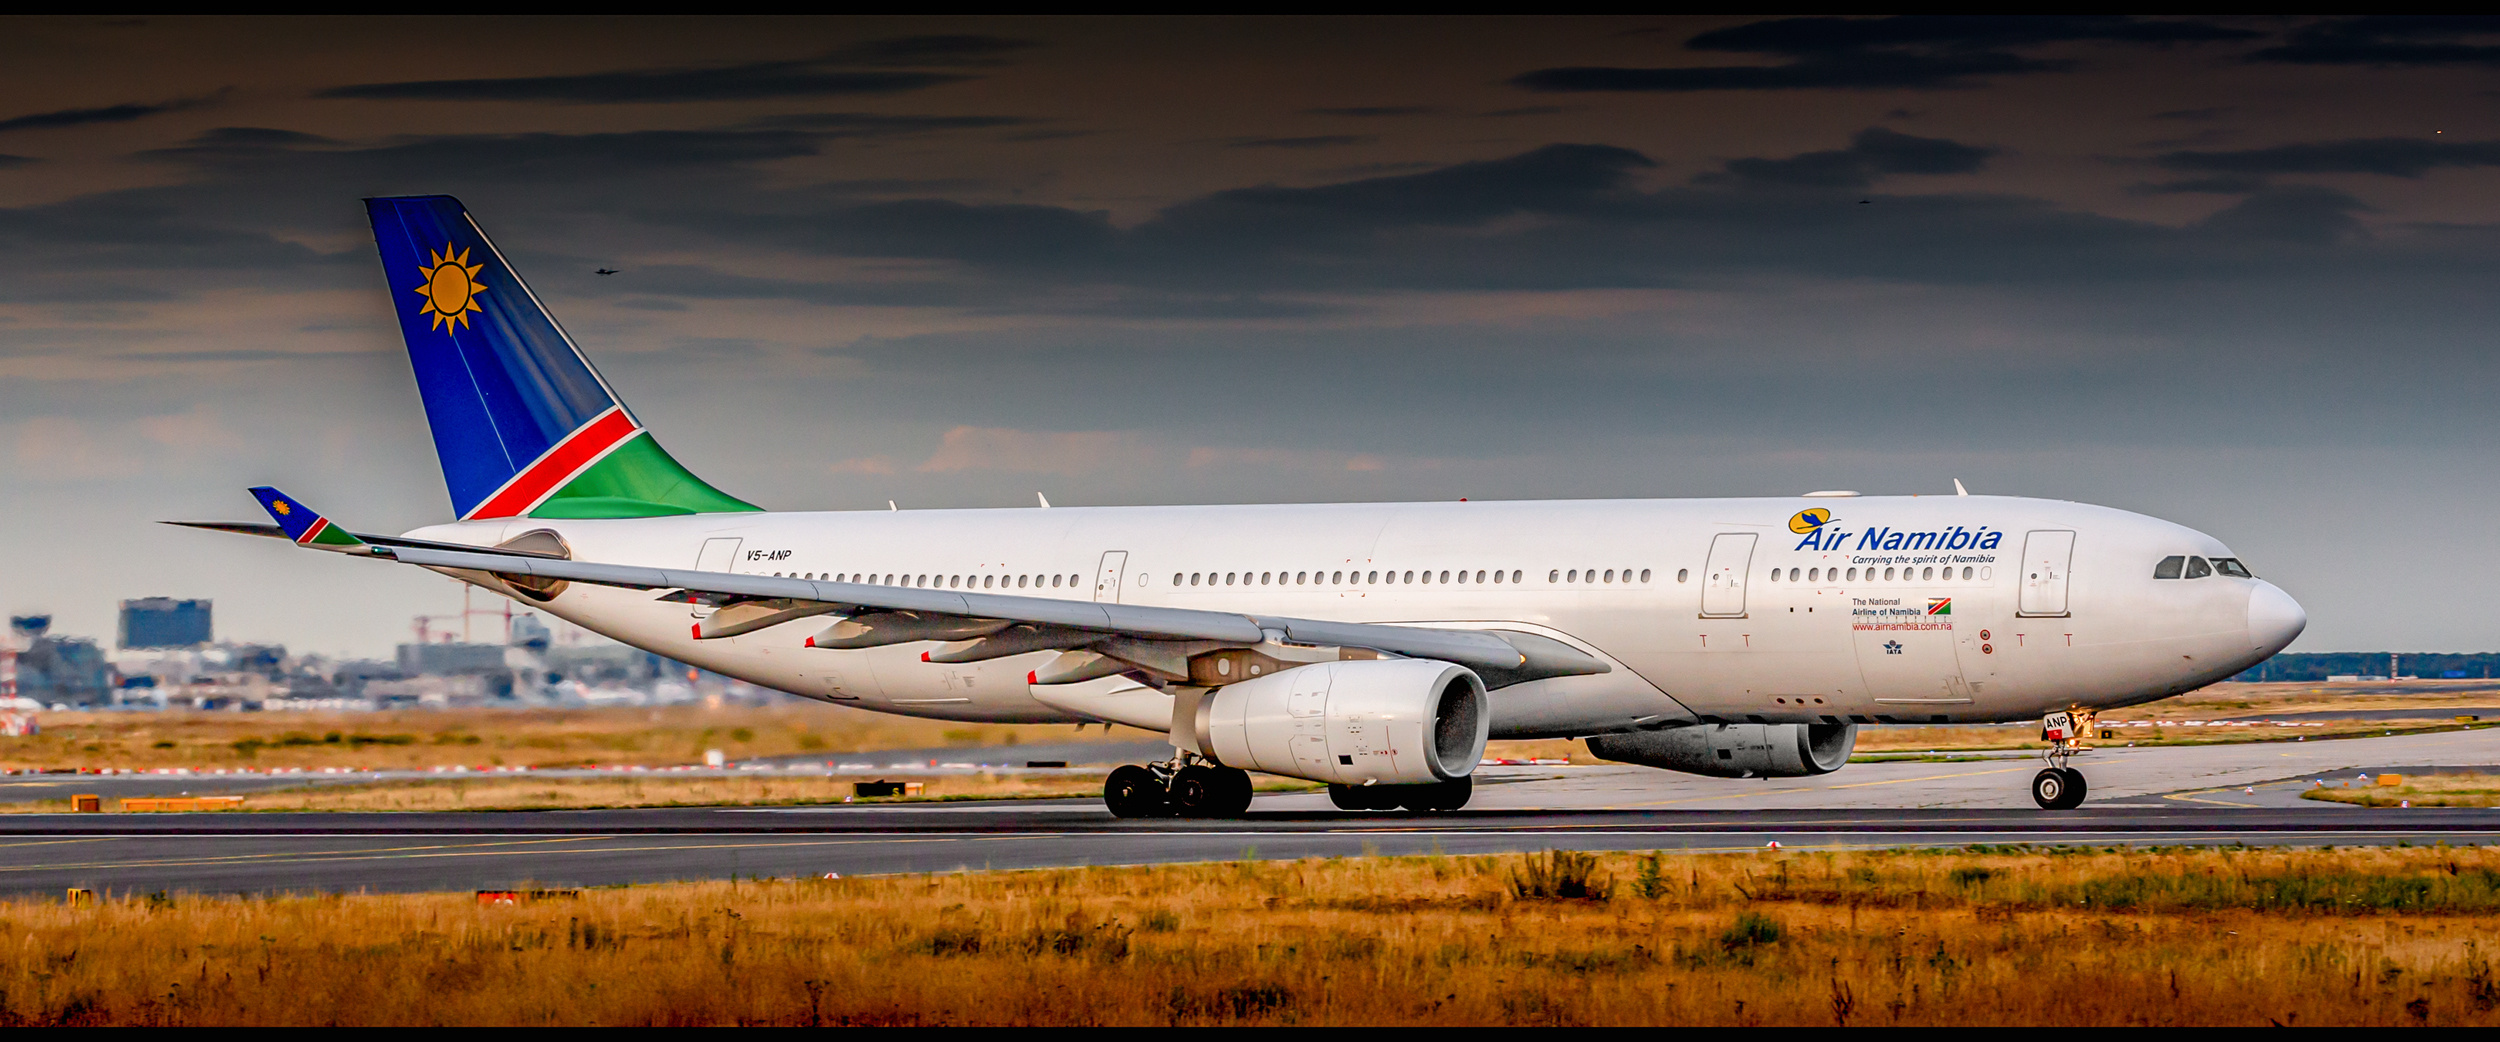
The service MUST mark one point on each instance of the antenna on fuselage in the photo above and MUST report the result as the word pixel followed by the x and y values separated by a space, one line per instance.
pixel 1958 489
pixel 1045 500
pixel 889 505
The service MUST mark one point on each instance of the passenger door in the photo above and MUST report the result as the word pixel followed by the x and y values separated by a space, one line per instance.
pixel 1723 586
pixel 1107 577
pixel 2045 559
pixel 718 555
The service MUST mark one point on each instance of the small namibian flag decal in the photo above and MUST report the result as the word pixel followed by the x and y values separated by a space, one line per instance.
pixel 1939 605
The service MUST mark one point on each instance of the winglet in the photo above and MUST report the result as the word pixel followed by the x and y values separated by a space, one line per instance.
pixel 305 525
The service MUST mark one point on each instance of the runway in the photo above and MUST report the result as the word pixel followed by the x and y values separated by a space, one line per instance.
pixel 2143 797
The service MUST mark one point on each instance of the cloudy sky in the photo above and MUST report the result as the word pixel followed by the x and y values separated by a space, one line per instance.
pixel 2235 273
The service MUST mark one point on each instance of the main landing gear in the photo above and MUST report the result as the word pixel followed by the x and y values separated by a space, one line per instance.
pixel 2058 786
pixel 1187 786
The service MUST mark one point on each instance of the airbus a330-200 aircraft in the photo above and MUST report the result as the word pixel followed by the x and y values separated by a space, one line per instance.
pixel 1371 646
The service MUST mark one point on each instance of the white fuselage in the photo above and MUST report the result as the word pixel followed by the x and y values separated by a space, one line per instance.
pixel 1820 625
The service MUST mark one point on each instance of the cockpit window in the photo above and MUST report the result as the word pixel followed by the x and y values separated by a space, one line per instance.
pixel 2198 569
pixel 2232 567
pixel 2169 567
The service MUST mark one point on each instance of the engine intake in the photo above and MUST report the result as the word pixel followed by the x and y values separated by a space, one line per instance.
pixel 1735 750
pixel 1386 721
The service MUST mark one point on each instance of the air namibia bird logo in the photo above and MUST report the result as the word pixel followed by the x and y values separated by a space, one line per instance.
pixel 451 288
pixel 1808 521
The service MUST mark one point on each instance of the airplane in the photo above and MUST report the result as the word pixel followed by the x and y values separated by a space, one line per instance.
pixel 605 271
pixel 1375 647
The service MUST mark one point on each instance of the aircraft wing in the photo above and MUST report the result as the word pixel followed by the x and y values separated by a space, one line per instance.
pixel 979 625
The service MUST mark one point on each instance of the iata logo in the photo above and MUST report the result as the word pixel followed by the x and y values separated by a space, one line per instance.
pixel 1809 521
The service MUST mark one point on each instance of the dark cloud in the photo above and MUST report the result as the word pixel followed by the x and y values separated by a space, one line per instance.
pixel 7 161
pixel 2393 157
pixel 1813 36
pixel 1871 71
pixel 1912 52
pixel 955 49
pixel 870 124
pixel 2390 41
pixel 2226 184
pixel 1310 141
pixel 1873 153
pixel 747 82
pixel 1374 111
pixel 2293 214
pixel 104 114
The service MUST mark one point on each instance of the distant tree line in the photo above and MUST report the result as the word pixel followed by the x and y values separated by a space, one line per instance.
pixel 2296 666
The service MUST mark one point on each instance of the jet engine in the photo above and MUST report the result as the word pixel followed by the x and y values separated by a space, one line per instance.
pixel 1364 722
pixel 1735 750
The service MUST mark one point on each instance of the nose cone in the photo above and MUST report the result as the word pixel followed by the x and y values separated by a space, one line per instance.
pixel 2274 619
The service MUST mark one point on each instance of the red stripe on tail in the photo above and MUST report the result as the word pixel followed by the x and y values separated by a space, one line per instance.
pixel 557 466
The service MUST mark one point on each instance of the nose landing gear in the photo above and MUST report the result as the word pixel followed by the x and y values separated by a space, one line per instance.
pixel 1186 786
pixel 2060 787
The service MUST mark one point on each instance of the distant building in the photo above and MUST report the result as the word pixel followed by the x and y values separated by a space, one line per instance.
pixel 58 670
pixel 163 622
pixel 450 660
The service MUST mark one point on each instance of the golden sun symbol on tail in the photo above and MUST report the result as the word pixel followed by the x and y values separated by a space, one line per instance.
pixel 451 288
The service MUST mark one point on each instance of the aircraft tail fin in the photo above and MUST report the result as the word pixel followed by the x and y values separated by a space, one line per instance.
pixel 522 423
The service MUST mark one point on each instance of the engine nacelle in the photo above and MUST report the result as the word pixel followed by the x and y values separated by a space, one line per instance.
pixel 1385 721
pixel 1735 750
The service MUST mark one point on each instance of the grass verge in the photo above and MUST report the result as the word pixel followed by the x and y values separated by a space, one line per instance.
pixel 2365 937
pixel 2421 790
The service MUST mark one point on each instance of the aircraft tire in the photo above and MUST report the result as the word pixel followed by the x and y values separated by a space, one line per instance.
pixel 2075 788
pixel 1440 797
pixel 2049 788
pixel 1200 791
pixel 1133 792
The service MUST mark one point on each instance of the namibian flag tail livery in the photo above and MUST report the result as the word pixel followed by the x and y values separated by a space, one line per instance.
pixel 305 525
pixel 523 424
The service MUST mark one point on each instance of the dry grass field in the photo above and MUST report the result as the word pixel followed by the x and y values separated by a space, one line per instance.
pixel 419 739
pixel 2421 790
pixel 2390 937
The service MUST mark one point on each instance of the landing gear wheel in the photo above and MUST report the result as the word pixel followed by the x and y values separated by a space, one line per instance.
pixel 1203 790
pixel 1438 797
pixel 2057 788
pixel 1133 792
pixel 1363 797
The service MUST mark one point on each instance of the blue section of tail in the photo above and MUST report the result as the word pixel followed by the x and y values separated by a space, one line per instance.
pixel 502 383
pixel 290 513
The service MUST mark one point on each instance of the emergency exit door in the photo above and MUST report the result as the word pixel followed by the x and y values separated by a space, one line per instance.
pixel 717 555
pixel 2046 556
pixel 1723 586
pixel 1107 577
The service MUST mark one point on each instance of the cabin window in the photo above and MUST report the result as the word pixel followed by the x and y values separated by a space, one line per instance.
pixel 1775 575
pixel 1682 573
pixel 2198 569
pixel 1410 577
pixel 1298 577
pixel 1574 576
pixel 1375 577
pixel 1966 573
pixel 1335 578
pixel 2232 567
pixel 1887 575
pixel 1644 575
